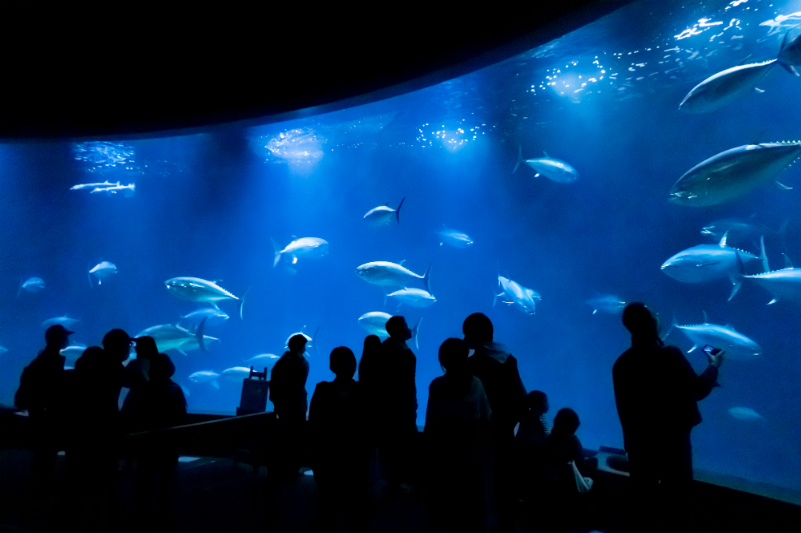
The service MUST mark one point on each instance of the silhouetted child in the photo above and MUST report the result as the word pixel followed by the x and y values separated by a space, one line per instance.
pixel 340 450
pixel 563 447
pixel 530 445
pixel 458 446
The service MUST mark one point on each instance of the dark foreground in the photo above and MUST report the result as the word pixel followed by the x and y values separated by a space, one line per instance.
pixel 225 494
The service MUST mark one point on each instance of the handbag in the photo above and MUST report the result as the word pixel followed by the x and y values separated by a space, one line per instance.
pixel 583 484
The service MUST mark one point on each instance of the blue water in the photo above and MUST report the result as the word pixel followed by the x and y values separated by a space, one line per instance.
pixel 604 99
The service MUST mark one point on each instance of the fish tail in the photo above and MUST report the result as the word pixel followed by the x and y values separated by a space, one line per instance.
pixel 314 339
pixel 397 211
pixel 199 334
pixel 415 331
pixel 762 255
pixel 277 251
pixel 242 304
pixel 519 157
pixel 427 279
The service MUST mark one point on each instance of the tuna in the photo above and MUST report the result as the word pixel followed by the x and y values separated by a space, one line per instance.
pixel 213 316
pixel 708 262
pixel 205 376
pixel 737 345
pixel 262 360
pixel 745 414
pixel 454 238
pixel 553 169
pixel 236 373
pixel 514 294
pixel 200 290
pixel 413 297
pixel 386 274
pixel 608 303
pixel 31 285
pixel 382 215
pixel 72 353
pixel 733 173
pixel 101 271
pixel 306 247
pixel 784 284
pixel 724 87
pixel 171 337
pixel 65 321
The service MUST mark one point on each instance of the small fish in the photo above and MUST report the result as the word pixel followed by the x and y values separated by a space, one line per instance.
pixel 454 238
pixel 553 169
pixel 65 321
pixel 514 294
pixel 102 270
pixel 707 262
pixel 733 173
pixel 413 297
pixel 382 215
pixel 306 247
pixel 740 231
pixel 3 350
pixel 128 189
pixel 236 373
pixel 72 353
pixel 93 185
pixel 724 87
pixel 737 346
pixel 262 360
pixel 32 285
pixel 608 303
pixel 386 274
pixel 205 376
pixel 213 316
pixel 375 323
pixel 745 414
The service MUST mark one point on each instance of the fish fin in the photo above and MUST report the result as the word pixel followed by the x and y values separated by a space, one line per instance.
pixel 415 331
pixel 546 153
pixel 783 186
pixel 737 285
pixel 294 259
pixel 441 243
pixel 242 304
pixel 427 279
pixel 706 319
pixel 385 298
pixel 88 275
pixel 314 341
pixel 763 255
pixel 199 334
pixel 745 59
pixel 397 211
pixel 692 349
pixel 494 298
pixel 401 262
pixel 537 175
pixel 277 252
pixel 594 311
pixel 181 350
pixel 730 327
pixel 773 301
pixel 758 90
pixel 787 262
pixel 723 240
pixel 215 384
pixel 673 324
pixel 784 41
pixel 519 157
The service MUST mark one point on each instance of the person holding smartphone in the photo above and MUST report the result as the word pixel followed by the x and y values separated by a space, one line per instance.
pixel 656 392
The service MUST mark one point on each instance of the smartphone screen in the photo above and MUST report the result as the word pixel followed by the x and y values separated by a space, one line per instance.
pixel 711 349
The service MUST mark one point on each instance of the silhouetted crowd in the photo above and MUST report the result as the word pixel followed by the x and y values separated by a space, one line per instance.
pixel 487 449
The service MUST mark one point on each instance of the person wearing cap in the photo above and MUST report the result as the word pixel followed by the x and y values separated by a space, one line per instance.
pixel 657 393
pixel 39 392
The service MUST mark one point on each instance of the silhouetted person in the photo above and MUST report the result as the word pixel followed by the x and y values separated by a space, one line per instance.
pixel 562 446
pixel 138 370
pixel 155 405
pixel 288 394
pixel 40 392
pixel 656 391
pixel 458 445
pixel 339 444
pixel 497 369
pixel 530 445
pixel 398 409
pixel 371 383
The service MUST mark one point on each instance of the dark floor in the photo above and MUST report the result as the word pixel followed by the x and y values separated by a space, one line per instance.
pixel 223 495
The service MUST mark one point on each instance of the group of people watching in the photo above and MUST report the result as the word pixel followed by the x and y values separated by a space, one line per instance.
pixel 77 410
pixel 486 442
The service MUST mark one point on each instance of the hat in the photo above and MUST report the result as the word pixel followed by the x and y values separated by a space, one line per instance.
pixel 56 332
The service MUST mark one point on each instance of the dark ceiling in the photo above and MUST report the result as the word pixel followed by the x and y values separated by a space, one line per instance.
pixel 130 74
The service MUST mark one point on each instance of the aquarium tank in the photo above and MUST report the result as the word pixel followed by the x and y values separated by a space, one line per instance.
pixel 642 157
